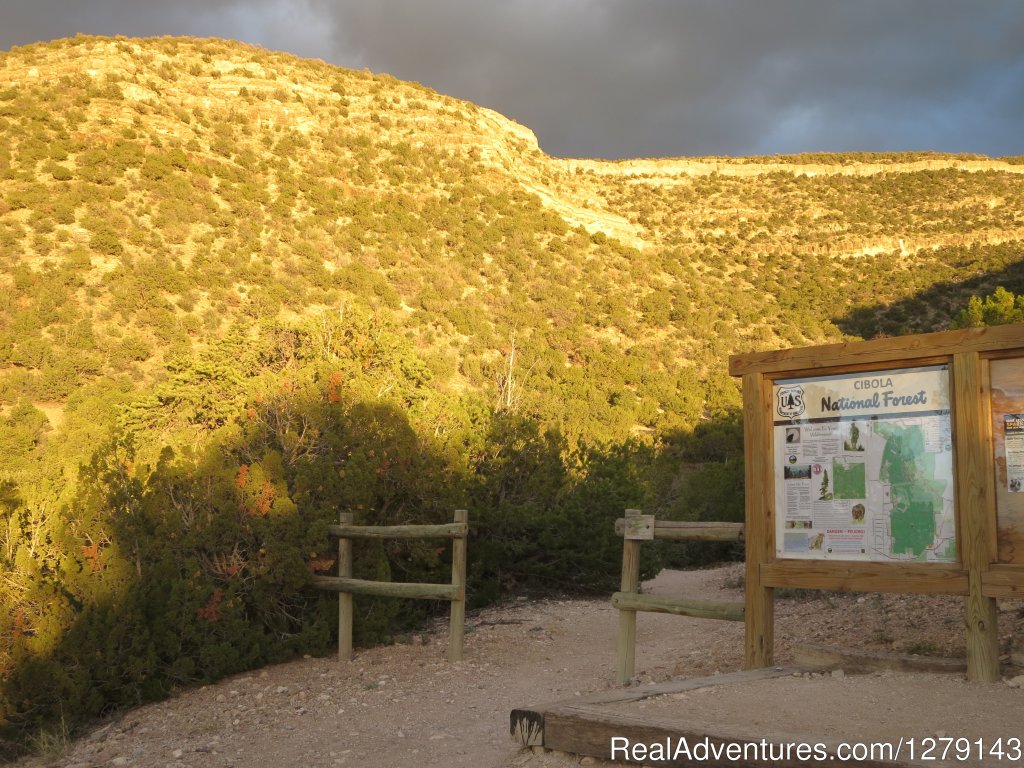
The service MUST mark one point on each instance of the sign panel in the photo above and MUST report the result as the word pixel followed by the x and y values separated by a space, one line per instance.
pixel 1007 377
pixel 863 466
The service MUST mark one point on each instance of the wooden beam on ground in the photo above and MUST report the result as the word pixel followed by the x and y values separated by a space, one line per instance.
pixel 583 730
pixel 526 724
pixel 388 589
pixel 443 531
pixel 586 726
pixel 699 609
pixel 589 730
pixel 680 530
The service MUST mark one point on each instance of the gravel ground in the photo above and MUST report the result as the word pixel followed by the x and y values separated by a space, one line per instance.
pixel 404 705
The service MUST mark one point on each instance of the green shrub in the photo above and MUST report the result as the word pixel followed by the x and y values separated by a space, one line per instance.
pixel 998 308
pixel 107 243
pixel 59 172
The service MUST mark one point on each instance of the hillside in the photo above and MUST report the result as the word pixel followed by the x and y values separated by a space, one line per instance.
pixel 164 188
pixel 240 291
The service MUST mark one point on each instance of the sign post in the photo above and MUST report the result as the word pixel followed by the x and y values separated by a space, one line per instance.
pixel 891 465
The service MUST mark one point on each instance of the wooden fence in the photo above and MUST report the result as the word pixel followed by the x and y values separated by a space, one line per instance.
pixel 346 586
pixel 635 528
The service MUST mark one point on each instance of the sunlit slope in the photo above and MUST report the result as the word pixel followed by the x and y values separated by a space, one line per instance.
pixel 155 193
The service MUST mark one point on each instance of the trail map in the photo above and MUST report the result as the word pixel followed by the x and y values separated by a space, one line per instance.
pixel 864 467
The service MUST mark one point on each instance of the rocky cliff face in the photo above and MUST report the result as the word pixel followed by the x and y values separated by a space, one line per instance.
pixel 163 82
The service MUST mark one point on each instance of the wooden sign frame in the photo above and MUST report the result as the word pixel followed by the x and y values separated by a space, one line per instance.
pixel 977 574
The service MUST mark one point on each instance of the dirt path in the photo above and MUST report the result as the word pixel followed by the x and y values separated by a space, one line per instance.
pixel 403 705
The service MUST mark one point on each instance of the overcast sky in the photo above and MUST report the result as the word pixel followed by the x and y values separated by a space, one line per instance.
pixel 644 78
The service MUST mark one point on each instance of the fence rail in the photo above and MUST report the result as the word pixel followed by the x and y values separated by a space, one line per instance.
pixel 454 530
pixel 635 528
pixel 674 530
pixel 386 588
pixel 698 609
pixel 346 586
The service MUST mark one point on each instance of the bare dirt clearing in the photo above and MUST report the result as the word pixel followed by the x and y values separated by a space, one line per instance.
pixel 404 705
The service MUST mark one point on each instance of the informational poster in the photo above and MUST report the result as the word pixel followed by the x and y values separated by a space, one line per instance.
pixel 1007 377
pixel 864 467
pixel 1013 440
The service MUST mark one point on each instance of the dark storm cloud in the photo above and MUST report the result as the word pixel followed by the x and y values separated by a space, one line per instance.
pixel 717 77
pixel 286 25
pixel 627 78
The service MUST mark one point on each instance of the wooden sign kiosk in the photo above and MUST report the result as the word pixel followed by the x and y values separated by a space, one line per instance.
pixel 891 465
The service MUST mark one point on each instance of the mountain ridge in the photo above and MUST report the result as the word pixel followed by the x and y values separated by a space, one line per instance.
pixel 156 142
pixel 503 142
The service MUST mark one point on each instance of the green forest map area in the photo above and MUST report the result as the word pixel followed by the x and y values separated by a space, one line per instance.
pixel 917 494
pixel 849 481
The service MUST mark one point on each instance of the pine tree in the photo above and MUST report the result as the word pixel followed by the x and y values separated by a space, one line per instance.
pixel 825 495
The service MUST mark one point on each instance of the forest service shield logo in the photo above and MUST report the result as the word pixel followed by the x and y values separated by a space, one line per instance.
pixel 791 401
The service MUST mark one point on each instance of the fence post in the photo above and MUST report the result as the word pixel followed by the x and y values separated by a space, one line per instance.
pixel 627 618
pixel 345 598
pixel 458 616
